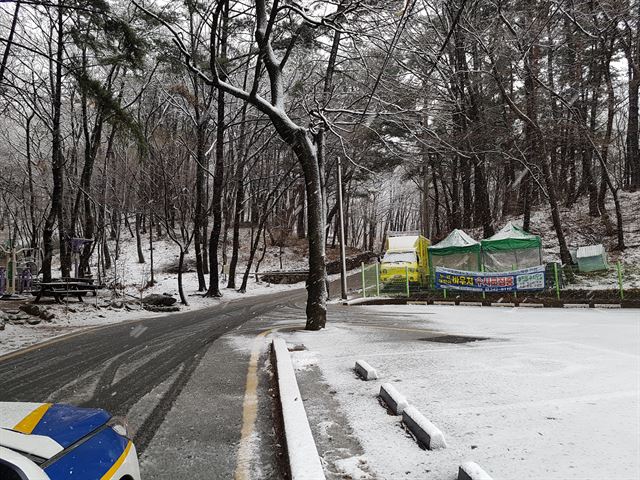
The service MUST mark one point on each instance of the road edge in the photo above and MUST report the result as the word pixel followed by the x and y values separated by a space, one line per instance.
pixel 304 461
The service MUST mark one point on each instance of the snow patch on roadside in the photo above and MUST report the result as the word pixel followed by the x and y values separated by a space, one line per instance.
pixel 352 468
pixel 303 360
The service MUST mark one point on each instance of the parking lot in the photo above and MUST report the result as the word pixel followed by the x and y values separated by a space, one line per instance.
pixel 525 393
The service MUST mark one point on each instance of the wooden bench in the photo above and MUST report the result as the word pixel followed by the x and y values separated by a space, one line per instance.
pixel 60 290
pixel 59 295
pixel 78 280
pixel 84 283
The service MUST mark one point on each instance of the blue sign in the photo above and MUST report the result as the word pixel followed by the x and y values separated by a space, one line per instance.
pixel 524 280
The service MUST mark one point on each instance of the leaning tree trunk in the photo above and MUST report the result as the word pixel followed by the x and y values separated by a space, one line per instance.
pixel 316 281
pixel 9 41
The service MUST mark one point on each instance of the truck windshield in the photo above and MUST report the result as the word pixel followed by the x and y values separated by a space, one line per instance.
pixel 399 257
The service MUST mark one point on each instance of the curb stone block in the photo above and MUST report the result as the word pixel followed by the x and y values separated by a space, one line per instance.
pixel 630 304
pixel 425 431
pixel 365 371
pixel 304 461
pixel 472 471
pixel 394 400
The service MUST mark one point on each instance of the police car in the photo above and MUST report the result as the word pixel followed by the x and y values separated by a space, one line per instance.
pixel 44 441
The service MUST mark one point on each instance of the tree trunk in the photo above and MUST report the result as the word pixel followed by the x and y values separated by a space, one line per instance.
pixel 183 299
pixel 33 243
pixel 316 282
pixel 632 165
pixel 139 239
pixel 300 223
pixel 9 41
pixel 237 217
pixel 216 203
pixel 152 280
pixel 57 168
pixel 200 191
pixel 483 205
pixel 216 194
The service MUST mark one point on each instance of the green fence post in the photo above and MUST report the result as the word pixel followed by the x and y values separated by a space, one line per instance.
pixel 364 286
pixel 619 267
pixel 406 273
pixel 555 274
pixel 377 279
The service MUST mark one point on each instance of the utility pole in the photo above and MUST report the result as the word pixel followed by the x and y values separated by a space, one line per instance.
pixel 343 260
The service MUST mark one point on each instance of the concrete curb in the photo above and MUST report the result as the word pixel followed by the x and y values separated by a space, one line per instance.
pixel 531 305
pixel 394 400
pixel 365 371
pixel 304 461
pixel 472 471
pixel 361 300
pixel 425 431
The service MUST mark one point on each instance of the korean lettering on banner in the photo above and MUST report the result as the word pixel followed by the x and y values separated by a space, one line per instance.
pixel 528 279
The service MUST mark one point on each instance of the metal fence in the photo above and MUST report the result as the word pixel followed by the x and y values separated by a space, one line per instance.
pixel 398 286
pixel 615 280
pixel 370 278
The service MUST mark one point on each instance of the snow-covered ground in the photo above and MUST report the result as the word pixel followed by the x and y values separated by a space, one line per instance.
pixel 549 394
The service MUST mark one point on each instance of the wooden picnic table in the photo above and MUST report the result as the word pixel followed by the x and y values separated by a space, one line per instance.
pixel 78 279
pixel 59 290
pixel 85 283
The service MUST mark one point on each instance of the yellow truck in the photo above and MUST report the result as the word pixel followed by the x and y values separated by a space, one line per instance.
pixel 405 253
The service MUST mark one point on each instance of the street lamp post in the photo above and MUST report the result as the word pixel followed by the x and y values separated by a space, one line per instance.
pixel 343 261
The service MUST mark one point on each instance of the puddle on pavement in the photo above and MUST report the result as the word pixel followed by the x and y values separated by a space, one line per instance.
pixel 453 339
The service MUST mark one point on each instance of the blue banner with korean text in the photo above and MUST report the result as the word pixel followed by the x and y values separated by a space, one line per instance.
pixel 525 280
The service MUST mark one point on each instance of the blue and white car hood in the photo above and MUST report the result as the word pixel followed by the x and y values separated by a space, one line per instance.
pixel 66 441
pixel 45 429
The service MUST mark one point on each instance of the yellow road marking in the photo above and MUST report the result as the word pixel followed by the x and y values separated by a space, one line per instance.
pixel 249 409
pixel 114 468
pixel 28 423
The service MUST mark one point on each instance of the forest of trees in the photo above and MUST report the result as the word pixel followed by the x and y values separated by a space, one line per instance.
pixel 193 119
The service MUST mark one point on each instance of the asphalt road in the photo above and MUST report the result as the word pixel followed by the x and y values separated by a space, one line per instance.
pixel 83 369
pixel 140 369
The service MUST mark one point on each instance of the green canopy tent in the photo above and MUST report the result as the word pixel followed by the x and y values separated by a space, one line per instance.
pixel 458 251
pixel 511 248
